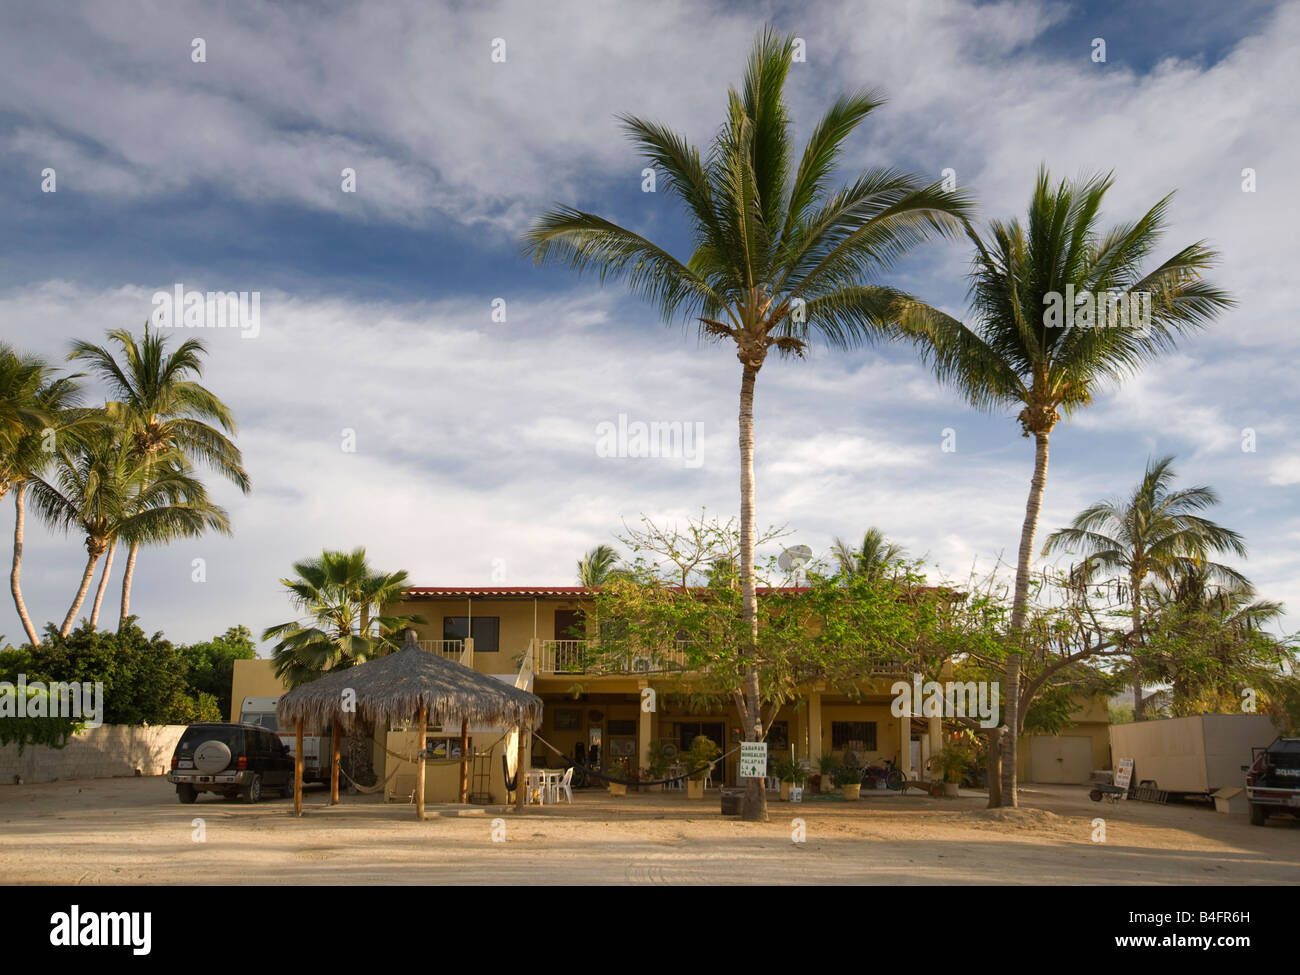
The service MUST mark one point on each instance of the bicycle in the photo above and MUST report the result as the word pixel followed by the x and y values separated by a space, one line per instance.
pixel 888 772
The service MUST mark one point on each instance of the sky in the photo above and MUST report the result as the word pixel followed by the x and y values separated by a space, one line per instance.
pixel 382 404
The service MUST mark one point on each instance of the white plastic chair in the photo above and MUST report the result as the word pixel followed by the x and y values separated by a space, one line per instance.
pixel 564 785
pixel 534 782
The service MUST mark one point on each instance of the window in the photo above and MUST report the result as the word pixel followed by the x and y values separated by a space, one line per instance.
pixel 487 631
pixel 620 727
pixel 853 734
pixel 778 736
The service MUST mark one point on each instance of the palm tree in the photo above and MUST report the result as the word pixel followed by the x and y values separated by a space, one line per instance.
pixel 778 260
pixel 36 408
pixel 99 487
pixel 155 396
pixel 342 603
pixel 597 566
pixel 1154 534
pixel 1013 356
pixel 871 559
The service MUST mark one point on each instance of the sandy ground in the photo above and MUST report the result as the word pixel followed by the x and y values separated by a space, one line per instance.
pixel 129 831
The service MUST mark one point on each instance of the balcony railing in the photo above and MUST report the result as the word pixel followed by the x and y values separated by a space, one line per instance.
pixel 584 657
pixel 461 651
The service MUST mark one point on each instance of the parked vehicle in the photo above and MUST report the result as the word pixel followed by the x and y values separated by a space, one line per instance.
pixel 1273 780
pixel 232 760
pixel 261 711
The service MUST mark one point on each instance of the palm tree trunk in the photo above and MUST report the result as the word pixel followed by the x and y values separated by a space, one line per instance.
pixel 1019 607
pixel 15 586
pixel 1139 712
pixel 103 585
pixel 754 808
pixel 128 572
pixel 86 576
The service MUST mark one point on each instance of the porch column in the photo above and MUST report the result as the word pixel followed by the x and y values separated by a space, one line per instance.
pixel 800 738
pixel 936 736
pixel 814 727
pixel 905 745
pixel 643 728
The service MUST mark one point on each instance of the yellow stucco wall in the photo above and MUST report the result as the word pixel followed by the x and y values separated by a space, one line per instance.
pixel 253 678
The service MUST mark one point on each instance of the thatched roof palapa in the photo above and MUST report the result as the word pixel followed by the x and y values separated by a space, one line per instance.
pixel 393 688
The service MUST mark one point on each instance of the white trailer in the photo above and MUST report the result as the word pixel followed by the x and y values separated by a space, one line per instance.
pixel 261 711
pixel 1197 755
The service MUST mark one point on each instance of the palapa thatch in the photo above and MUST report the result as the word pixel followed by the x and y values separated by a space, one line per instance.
pixel 393 688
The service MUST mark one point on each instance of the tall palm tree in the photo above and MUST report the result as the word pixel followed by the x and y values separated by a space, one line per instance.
pixel 100 488
pixel 341 600
pixel 1012 354
pixel 871 559
pixel 155 396
pixel 779 259
pixel 1154 533
pixel 36 408
pixel 597 566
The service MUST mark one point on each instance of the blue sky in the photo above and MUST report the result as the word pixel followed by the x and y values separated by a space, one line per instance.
pixel 475 440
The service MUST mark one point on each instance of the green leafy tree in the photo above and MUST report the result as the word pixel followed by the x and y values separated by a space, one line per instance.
pixel 1012 354
pixel 211 665
pixel 780 259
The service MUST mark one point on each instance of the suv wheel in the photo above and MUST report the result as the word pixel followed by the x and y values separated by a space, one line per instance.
pixel 1258 815
pixel 254 791
pixel 186 793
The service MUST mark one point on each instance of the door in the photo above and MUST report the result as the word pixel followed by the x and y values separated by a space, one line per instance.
pixel 715 731
pixel 1060 761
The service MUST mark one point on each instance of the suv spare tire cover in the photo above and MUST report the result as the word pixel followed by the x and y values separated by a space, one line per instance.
pixel 212 756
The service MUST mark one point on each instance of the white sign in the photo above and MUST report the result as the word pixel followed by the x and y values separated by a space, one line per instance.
pixel 1124 773
pixel 753 760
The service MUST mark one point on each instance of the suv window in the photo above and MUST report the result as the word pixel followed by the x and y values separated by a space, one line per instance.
pixel 231 737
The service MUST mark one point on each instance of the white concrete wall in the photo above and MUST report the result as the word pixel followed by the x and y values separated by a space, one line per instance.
pixel 103 752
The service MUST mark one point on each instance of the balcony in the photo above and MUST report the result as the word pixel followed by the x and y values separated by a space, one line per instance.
pixel 584 657
pixel 461 651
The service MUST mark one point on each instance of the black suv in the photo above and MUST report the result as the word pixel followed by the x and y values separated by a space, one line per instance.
pixel 232 759
pixel 1273 780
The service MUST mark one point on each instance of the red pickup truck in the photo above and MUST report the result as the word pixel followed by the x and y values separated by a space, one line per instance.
pixel 1273 780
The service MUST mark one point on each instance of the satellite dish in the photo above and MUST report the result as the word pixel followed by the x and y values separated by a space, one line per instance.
pixel 794 558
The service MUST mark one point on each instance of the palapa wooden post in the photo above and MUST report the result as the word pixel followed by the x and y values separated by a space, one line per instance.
pixel 419 765
pixel 297 769
pixel 334 764
pixel 464 760
pixel 521 769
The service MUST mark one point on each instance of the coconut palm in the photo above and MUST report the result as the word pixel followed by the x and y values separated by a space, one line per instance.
pixel 343 623
pixel 597 566
pixel 1153 534
pixel 36 408
pixel 871 559
pixel 1015 355
pixel 101 488
pixel 779 258
pixel 155 397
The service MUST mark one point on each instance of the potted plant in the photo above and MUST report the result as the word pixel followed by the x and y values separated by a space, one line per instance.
pixel 827 765
pixel 698 761
pixel 616 768
pixel 849 779
pixel 951 761
pixel 790 772
pixel 659 763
